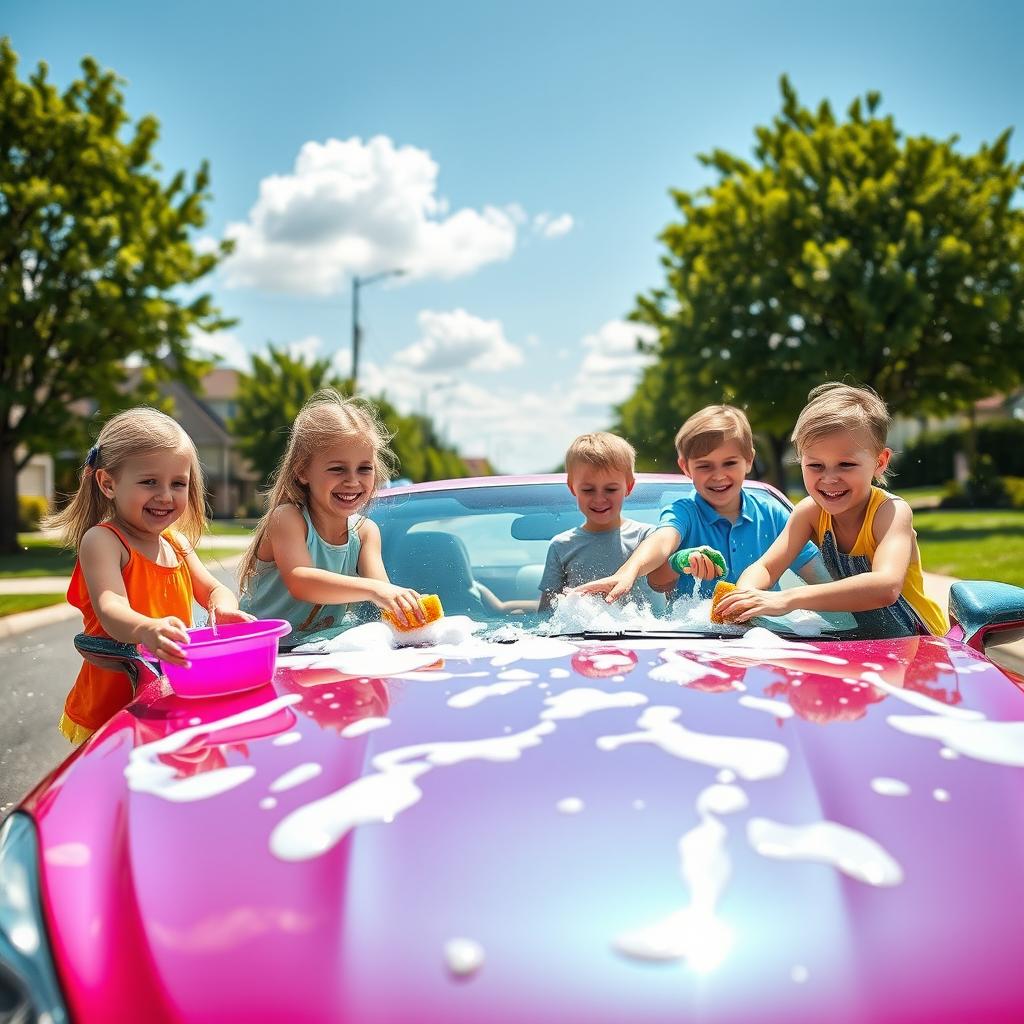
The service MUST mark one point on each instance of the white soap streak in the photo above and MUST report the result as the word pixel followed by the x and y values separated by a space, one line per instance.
pixel 317 827
pixel 517 673
pixel 778 708
pixel 287 739
pixel 268 803
pixel 994 742
pixel 146 773
pixel 570 805
pixel 826 842
pixel 890 787
pixel 949 755
pixel 464 957
pixel 295 777
pixel 583 700
pixel 682 670
pixel 476 694
pixel 375 664
pixel 722 799
pixel 920 700
pixel 750 759
pixel 532 648
pixel 67 855
pixel 941 795
pixel 496 748
pixel 694 933
pixel 559 673
pixel 364 725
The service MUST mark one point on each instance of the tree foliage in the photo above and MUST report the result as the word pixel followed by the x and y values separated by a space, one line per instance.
pixel 94 249
pixel 271 396
pixel 842 249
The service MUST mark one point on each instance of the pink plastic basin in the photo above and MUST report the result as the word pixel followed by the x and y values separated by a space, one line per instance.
pixel 242 656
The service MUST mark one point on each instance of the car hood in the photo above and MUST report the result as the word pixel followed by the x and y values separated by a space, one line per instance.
pixel 658 830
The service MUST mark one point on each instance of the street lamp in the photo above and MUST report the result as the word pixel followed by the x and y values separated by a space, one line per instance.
pixel 357 331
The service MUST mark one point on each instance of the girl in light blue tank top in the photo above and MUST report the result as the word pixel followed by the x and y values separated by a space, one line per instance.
pixel 267 597
pixel 314 553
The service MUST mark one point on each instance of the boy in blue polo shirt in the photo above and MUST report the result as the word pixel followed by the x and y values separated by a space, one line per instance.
pixel 715 448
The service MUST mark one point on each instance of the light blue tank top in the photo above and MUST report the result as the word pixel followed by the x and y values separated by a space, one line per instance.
pixel 267 597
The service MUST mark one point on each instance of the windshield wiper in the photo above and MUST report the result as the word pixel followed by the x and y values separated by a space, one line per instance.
pixel 643 634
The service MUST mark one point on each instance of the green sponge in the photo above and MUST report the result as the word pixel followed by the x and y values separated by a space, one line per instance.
pixel 681 559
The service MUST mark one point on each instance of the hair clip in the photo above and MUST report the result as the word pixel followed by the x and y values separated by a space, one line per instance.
pixel 93 457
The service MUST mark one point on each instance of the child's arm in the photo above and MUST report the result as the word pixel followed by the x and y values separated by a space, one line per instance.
pixel 879 588
pixel 305 582
pixel 99 555
pixel 220 601
pixel 552 580
pixel 650 553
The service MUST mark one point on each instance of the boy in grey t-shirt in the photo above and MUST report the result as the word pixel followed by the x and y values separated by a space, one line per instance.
pixel 599 473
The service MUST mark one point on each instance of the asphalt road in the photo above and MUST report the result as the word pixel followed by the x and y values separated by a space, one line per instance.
pixel 38 669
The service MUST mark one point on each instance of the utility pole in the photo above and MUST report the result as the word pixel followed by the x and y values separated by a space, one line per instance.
pixel 357 330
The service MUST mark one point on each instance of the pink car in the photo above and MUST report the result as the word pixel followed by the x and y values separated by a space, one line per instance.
pixel 662 822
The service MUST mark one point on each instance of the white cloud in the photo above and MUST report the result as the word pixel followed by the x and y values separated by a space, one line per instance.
pixel 355 207
pixel 553 227
pixel 222 345
pixel 458 340
pixel 522 430
pixel 612 363
pixel 305 350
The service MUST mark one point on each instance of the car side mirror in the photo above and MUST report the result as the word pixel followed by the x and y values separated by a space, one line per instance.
pixel 983 608
pixel 116 657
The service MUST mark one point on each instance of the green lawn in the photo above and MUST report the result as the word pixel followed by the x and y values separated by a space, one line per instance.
pixel 974 545
pixel 232 527
pixel 41 558
pixel 11 603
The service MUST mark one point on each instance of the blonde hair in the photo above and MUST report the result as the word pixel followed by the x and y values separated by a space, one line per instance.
pixel 835 407
pixel 129 434
pixel 324 420
pixel 712 427
pixel 600 451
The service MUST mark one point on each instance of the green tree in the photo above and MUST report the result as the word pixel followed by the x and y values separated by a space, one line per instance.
pixel 270 397
pixel 843 249
pixel 94 249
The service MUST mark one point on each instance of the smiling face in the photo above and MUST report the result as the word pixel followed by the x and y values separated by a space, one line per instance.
pixel 149 491
pixel 340 480
pixel 600 494
pixel 719 475
pixel 838 470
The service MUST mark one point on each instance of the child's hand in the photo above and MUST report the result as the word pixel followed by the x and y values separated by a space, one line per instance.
pixel 402 602
pixel 163 637
pixel 223 615
pixel 741 605
pixel 703 563
pixel 613 587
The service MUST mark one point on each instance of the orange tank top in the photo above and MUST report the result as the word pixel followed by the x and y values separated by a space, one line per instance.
pixel 154 590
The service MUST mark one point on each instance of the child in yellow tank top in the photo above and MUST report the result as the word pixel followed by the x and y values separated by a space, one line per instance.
pixel 866 535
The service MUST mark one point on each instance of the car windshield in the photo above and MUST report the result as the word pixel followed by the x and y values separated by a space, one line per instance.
pixel 480 548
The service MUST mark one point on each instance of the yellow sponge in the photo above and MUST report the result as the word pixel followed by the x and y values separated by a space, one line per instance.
pixel 721 589
pixel 430 605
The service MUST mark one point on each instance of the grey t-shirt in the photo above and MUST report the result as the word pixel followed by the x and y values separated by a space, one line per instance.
pixel 581 556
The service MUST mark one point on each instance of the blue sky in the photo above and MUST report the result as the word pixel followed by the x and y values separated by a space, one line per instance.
pixel 520 170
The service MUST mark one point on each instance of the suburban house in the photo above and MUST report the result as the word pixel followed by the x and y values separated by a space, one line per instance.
pixel 230 481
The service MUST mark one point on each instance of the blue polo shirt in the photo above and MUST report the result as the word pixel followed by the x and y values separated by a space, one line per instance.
pixel 761 520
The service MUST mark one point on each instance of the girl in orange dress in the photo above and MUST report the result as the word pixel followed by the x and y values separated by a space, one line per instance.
pixel 135 578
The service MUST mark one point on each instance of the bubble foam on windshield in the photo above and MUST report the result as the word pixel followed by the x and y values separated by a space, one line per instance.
pixel 580 613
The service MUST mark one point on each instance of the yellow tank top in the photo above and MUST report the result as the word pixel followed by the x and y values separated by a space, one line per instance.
pixel 858 559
